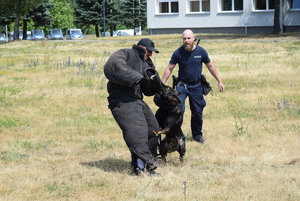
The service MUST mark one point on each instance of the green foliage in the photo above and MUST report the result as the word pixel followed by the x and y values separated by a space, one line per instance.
pixel 62 14
pixel 89 13
pixel 112 15
pixel 19 9
pixel 41 15
pixel 134 13
pixel 18 6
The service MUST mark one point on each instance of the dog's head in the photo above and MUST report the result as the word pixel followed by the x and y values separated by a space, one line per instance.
pixel 167 95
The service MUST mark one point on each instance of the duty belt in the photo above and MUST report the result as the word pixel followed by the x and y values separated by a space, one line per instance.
pixel 190 82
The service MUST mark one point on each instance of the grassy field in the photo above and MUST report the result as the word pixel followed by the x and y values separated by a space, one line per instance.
pixel 59 141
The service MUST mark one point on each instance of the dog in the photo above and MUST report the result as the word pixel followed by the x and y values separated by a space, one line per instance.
pixel 170 119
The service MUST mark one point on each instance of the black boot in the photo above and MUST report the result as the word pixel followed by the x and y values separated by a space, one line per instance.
pixel 151 166
pixel 139 167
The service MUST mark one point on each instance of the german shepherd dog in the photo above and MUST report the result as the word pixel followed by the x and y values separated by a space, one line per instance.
pixel 169 118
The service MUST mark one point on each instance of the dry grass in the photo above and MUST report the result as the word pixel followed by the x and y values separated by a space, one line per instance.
pixel 59 141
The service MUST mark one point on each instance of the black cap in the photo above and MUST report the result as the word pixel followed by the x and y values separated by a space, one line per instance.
pixel 146 42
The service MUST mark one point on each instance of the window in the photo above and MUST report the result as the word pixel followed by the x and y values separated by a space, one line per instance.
pixel 232 5
pixel 168 6
pixel 294 4
pixel 264 4
pixel 199 6
pixel 164 7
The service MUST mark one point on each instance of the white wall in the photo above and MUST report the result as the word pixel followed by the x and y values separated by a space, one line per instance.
pixel 215 19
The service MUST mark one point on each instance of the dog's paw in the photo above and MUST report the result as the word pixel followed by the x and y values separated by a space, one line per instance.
pixel 181 158
pixel 164 160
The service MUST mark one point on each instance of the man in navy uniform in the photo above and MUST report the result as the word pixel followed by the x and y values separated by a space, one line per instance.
pixel 190 57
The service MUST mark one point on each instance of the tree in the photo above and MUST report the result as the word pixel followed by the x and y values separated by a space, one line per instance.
pixel 18 8
pixel 62 14
pixel 40 16
pixel 4 21
pixel 89 12
pixel 131 13
pixel 112 14
pixel 143 14
pixel 277 17
pixel 134 13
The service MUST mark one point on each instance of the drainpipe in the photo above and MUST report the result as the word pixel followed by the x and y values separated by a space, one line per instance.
pixel 280 16
pixel 246 21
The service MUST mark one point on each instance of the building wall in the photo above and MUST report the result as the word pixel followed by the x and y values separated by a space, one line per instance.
pixel 246 21
pixel 227 30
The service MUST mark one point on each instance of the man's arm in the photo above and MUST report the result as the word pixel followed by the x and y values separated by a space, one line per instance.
pixel 167 73
pixel 117 71
pixel 213 70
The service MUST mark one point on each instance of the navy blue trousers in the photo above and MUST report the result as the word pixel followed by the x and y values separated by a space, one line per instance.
pixel 196 102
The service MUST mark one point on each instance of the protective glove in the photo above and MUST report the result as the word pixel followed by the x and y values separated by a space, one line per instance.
pixel 151 83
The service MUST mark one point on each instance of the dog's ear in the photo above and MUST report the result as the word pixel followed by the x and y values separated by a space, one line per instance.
pixel 163 88
pixel 162 91
pixel 157 99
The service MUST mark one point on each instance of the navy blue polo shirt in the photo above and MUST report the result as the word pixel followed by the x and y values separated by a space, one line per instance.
pixel 190 63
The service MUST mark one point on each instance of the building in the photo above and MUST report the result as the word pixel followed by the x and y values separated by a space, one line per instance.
pixel 221 16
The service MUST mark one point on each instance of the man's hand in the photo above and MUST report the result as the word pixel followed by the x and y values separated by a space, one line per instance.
pixel 221 87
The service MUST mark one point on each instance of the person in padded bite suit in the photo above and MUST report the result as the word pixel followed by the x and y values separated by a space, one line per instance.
pixel 131 74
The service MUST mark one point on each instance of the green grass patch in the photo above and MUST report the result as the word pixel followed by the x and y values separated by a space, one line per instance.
pixel 239 82
pixel 18 79
pixel 13 122
pixel 12 156
pixel 9 89
pixel 96 144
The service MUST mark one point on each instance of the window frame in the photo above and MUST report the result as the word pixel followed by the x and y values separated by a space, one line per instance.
pixel 262 10
pixel 232 7
pixel 158 7
pixel 188 3
pixel 290 6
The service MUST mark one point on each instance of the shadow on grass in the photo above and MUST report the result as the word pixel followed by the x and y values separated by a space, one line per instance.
pixel 109 165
